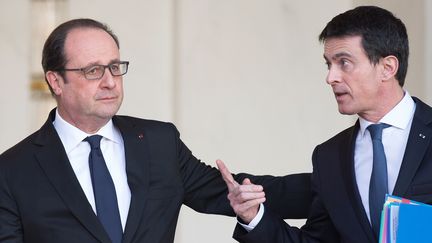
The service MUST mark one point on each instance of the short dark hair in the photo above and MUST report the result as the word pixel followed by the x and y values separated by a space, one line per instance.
pixel 53 54
pixel 382 34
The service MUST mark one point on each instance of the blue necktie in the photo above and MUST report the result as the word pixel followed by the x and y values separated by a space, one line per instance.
pixel 378 186
pixel 104 191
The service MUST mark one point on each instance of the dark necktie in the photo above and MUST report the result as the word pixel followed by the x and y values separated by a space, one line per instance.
pixel 378 186
pixel 104 191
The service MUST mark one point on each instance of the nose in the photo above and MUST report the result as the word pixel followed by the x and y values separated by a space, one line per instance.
pixel 333 76
pixel 108 80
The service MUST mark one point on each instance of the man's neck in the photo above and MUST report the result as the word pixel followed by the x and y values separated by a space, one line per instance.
pixel 87 125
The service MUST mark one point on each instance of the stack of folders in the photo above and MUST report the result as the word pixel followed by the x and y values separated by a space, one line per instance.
pixel 405 221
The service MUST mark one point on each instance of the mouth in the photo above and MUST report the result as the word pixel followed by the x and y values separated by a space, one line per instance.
pixel 110 98
pixel 340 96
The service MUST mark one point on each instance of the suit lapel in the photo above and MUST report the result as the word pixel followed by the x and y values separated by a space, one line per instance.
pixel 418 142
pixel 137 163
pixel 348 171
pixel 54 162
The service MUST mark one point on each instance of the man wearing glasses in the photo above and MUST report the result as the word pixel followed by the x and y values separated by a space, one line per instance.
pixel 89 175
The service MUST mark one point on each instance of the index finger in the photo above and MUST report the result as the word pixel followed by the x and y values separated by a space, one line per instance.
pixel 226 174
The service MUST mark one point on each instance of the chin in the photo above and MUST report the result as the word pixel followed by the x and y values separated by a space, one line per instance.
pixel 108 113
pixel 345 111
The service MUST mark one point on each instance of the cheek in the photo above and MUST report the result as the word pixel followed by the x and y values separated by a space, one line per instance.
pixel 120 85
pixel 361 84
pixel 80 94
pixel 366 93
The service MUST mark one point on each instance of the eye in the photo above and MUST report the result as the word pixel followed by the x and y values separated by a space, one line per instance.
pixel 345 64
pixel 93 70
pixel 115 67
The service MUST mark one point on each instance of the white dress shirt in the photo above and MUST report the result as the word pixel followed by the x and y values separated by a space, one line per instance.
pixel 394 139
pixel 112 147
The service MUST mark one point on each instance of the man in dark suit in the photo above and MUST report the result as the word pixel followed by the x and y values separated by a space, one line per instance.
pixel 366 51
pixel 91 176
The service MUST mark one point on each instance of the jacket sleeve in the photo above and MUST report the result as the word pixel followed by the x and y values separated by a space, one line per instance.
pixel 272 227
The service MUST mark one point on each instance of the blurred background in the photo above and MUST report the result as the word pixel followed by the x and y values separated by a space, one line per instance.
pixel 243 80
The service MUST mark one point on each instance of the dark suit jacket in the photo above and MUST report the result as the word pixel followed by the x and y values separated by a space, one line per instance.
pixel 337 213
pixel 41 200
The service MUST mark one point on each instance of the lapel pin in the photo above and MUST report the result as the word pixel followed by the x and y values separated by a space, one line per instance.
pixel 140 136
pixel 422 136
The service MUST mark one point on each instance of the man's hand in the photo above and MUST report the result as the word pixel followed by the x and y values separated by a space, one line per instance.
pixel 244 199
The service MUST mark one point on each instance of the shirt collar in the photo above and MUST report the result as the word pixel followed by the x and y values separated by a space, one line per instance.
pixel 72 136
pixel 399 117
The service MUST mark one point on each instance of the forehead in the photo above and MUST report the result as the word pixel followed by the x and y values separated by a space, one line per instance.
pixel 343 46
pixel 90 45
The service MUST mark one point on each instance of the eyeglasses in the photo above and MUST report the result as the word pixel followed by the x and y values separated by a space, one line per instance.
pixel 97 71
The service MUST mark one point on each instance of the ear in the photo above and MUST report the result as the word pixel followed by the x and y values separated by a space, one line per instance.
pixel 54 81
pixel 390 67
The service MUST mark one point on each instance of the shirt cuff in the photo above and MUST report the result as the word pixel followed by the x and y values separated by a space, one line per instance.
pixel 249 227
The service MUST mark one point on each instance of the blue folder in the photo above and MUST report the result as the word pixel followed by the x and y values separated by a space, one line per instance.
pixel 415 224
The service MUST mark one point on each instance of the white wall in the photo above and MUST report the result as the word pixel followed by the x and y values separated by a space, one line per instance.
pixel 428 52
pixel 14 69
pixel 242 79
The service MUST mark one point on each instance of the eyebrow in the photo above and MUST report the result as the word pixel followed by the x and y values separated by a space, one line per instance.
pixel 97 63
pixel 338 55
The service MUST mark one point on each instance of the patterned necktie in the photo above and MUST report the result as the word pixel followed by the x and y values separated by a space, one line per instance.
pixel 378 186
pixel 104 191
